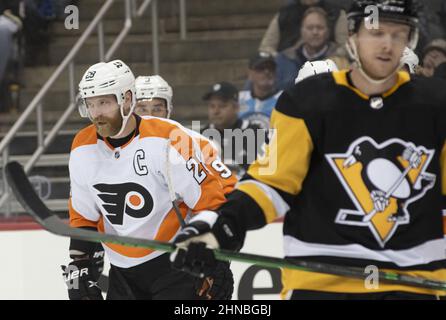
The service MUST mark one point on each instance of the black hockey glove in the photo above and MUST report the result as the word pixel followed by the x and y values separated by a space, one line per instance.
pixel 218 286
pixel 196 241
pixel 78 276
pixel 82 274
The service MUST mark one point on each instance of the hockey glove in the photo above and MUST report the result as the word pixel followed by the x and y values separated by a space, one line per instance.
pixel 196 241
pixel 78 276
pixel 82 274
pixel 218 286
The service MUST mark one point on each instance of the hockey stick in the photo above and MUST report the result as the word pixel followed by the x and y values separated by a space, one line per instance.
pixel 31 202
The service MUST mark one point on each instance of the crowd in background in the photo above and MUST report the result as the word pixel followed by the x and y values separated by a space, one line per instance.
pixel 309 30
pixel 24 34
pixel 301 31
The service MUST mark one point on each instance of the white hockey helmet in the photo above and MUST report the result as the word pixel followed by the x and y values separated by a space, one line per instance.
pixel 311 68
pixel 410 59
pixel 154 87
pixel 104 78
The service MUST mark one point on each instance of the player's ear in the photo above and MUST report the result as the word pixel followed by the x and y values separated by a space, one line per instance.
pixel 128 101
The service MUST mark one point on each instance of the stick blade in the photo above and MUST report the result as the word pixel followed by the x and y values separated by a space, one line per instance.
pixel 25 193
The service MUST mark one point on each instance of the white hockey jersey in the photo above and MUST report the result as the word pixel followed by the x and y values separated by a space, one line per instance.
pixel 124 190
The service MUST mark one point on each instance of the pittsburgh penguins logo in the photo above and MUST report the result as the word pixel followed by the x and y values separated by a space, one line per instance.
pixel 382 180
pixel 131 199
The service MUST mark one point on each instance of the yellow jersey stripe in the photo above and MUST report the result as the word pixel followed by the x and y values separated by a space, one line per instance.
pixel 261 199
pixel 303 280
pixel 340 78
pixel 287 156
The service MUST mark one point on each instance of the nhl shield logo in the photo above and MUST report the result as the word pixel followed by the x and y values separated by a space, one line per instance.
pixel 382 180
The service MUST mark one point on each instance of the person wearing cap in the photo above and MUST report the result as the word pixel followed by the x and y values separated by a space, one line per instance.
pixel 262 94
pixel 223 108
pixel 314 45
pixel 434 59
pixel 355 167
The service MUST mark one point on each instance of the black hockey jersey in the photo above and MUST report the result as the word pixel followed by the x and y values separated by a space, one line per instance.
pixel 360 180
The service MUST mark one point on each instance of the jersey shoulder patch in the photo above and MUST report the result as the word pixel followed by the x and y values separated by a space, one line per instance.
pixel 84 137
pixel 157 127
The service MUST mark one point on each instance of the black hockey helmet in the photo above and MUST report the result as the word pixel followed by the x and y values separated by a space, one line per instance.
pixel 399 11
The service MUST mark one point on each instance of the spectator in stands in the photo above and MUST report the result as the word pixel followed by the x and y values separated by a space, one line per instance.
pixel 434 59
pixel 39 14
pixel 442 15
pixel 223 106
pixel 10 24
pixel 314 45
pixel 225 127
pixel 262 94
pixel 283 30
pixel 430 22
pixel 32 17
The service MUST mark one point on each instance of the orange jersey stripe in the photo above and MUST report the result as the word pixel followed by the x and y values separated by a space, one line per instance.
pixel 444 224
pixel 77 220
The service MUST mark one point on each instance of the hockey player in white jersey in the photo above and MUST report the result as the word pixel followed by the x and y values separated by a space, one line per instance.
pixel 119 186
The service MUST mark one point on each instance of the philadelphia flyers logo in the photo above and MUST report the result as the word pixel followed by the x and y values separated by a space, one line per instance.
pixel 122 199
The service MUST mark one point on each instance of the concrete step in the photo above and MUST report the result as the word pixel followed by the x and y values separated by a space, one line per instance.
pixel 27 144
pixel 46 160
pixel 59 206
pixel 171 25
pixel 89 8
pixel 203 46
pixel 50 188
pixel 176 73
pixel 60 188
pixel 60 172
pixel 74 122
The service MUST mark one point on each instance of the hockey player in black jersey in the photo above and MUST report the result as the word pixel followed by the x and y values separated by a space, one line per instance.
pixel 340 205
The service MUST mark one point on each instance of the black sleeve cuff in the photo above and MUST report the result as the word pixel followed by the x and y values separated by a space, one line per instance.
pixel 240 213
pixel 87 247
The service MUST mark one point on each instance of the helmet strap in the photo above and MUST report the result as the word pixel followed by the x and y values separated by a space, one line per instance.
pixel 125 118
